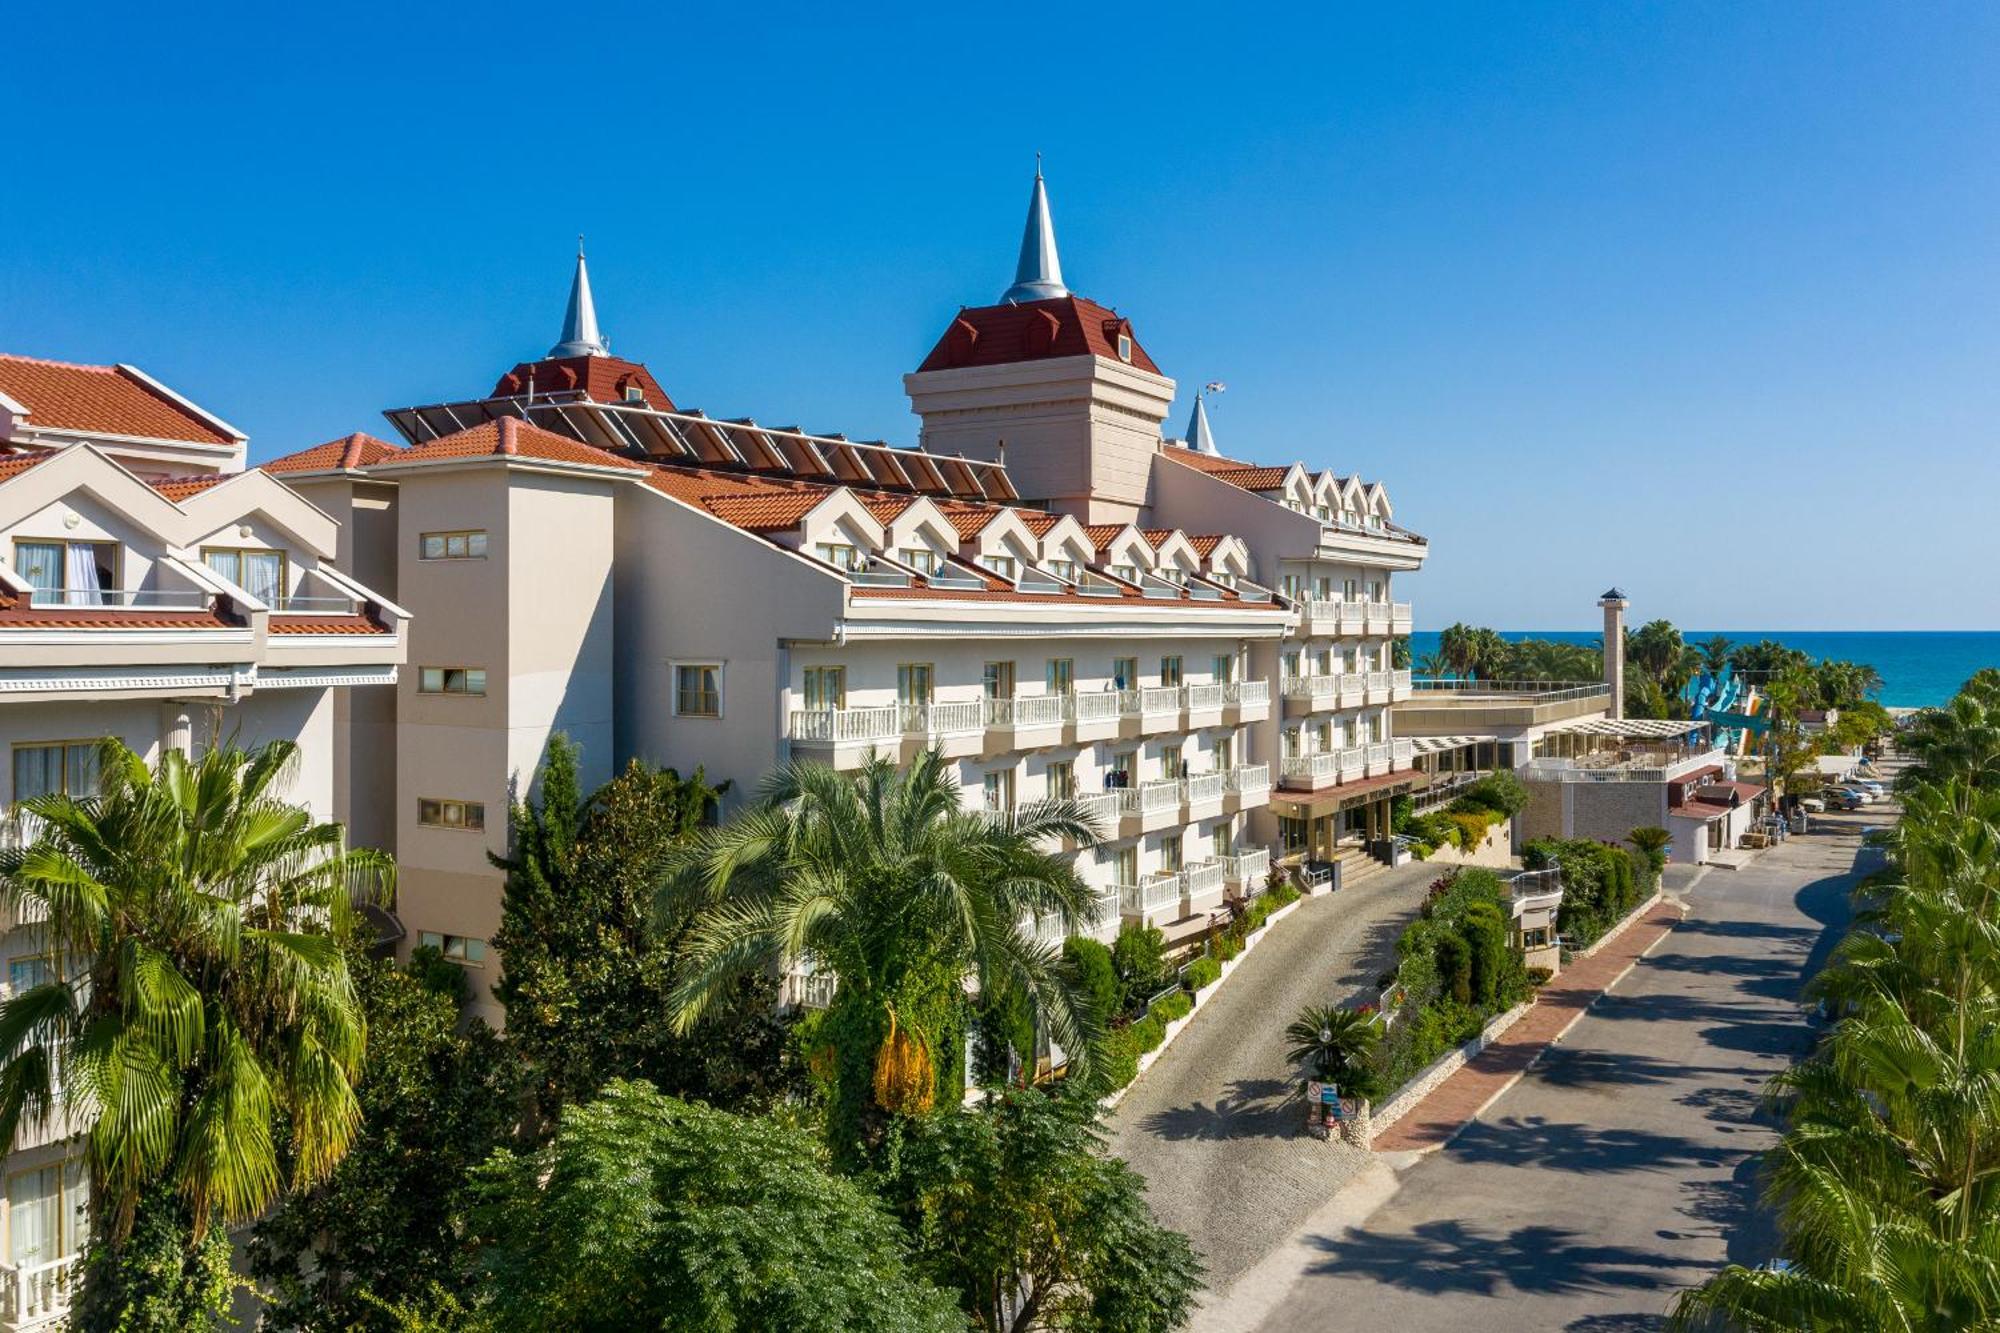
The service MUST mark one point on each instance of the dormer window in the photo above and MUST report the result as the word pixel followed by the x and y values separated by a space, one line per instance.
pixel 1130 573
pixel 920 558
pixel 1125 347
pixel 634 394
pixel 839 555
pixel 1065 570
pixel 1006 566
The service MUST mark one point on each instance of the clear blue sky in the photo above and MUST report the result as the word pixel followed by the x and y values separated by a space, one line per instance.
pixel 1702 299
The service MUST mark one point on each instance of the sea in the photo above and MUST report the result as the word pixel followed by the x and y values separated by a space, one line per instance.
pixel 1919 668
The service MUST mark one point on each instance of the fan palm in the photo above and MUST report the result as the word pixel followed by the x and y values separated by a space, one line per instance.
pixel 1336 1045
pixel 1959 741
pixel 197 1008
pixel 884 878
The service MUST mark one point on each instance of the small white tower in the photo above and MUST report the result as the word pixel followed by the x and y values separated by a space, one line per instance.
pixel 1038 272
pixel 579 333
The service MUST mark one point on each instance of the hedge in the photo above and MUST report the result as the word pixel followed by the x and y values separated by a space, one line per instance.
pixel 1201 973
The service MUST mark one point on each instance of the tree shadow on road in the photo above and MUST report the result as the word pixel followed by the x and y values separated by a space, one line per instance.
pixel 1634 1322
pixel 1584 1067
pixel 1448 1257
pixel 1531 1141
pixel 1251 1108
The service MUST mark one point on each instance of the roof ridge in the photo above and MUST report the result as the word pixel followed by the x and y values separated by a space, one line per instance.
pixel 111 369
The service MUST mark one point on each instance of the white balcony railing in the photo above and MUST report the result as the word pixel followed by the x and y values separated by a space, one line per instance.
pixel 1378 618
pixel 1040 710
pixel 1147 797
pixel 1399 617
pixel 37 1296
pixel 1247 868
pixel 1339 689
pixel 1201 787
pixel 1248 779
pixel 1101 806
pixel 1160 699
pixel 1046 929
pixel 1379 683
pixel 943 719
pixel 1380 755
pixel 1400 683
pixel 1105 909
pixel 1200 883
pixel 1402 754
pixel 1335 765
pixel 1246 693
pixel 1204 697
pixel 1157 894
pixel 836 725
pixel 1102 706
pixel 1354 617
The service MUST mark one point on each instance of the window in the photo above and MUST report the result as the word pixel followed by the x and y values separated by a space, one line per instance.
pixel 1535 937
pixel 1123 766
pixel 433 812
pixel 998 679
pixel 839 554
pixel 826 687
pixel 698 690
pixel 1125 865
pixel 1323 737
pixel 1062 780
pixel 1223 668
pixel 24 974
pixel 1351 589
pixel 1125 672
pixel 1006 566
pixel 80 572
pixel 1130 573
pixel 458 948
pixel 1376 592
pixel 1293 834
pixel 920 558
pixel 1172 573
pixel 48 1212
pixel 258 572
pixel 1323 588
pixel 913 683
pixel 1060 677
pixel 1290 660
pixel 1291 585
pixel 998 788
pixel 1225 753
pixel 1170 853
pixel 1124 347
pixel 1223 840
pixel 1294 741
pixel 468 545
pixel 1172 764
pixel 451 680
pixel 1066 570
pixel 1170 671
pixel 634 394
pixel 55 767
pixel 1323 662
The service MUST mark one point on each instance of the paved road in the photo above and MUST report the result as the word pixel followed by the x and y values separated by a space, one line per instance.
pixel 1212 1126
pixel 1620 1169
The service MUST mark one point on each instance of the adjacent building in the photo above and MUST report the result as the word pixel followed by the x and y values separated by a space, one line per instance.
pixel 153 591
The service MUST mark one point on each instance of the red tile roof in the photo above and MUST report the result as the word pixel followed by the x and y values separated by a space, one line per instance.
pixel 350 451
pixel 1040 524
pixel 180 488
pixel 16 616
pixel 13 465
pixel 1201 462
pixel 325 625
pixel 763 513
pixel 998 335
pixel 102 400
pixel 510 437
pixel 1244 476
pixel 1101 534
pixel 602 379
pixel 1205 544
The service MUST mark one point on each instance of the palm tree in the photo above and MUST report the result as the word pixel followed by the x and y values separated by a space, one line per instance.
pixel 1337 1046
pixel 1655 648
pixel 1714 652
pixel 1458 647
pixel 1959 741
pixel 884 878
pixel 197 1021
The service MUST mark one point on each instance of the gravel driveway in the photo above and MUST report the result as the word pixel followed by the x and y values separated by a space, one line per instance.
pixel 1214 1126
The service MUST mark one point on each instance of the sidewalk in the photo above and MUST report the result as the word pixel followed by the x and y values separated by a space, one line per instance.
pixel 1435 1120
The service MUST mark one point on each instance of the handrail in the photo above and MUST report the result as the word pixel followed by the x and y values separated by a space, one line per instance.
pixel 1102 706
pixel 1205 696
pixel 847 724
pixel 1546 691
pixel 1248 777
pixel 1035 710
pixel 1157 794
pixel 120 599
pixel 1204 786
pixel 1160 699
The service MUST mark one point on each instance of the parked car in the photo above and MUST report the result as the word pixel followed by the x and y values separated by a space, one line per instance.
pixel 1813 805
pixel 1875 789
pixel 1844 798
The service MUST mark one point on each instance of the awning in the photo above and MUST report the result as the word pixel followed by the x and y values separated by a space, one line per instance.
pixel 1433 744
pixel 1649 728
pixel 1307 804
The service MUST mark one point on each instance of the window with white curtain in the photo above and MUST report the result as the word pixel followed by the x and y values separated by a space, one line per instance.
pixel 81 572
pixel 47 1214
pixel 259 573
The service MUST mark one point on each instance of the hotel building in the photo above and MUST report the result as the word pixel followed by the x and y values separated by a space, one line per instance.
pixel 1062 599
pixel 151 590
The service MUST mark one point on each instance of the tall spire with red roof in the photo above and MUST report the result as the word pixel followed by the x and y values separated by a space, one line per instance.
pixel 1038 275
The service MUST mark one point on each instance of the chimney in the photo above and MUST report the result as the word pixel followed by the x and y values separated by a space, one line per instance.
pixel 1614 605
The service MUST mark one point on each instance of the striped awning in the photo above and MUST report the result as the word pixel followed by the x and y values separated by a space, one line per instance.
pixel 1649 728
pixel 1433 744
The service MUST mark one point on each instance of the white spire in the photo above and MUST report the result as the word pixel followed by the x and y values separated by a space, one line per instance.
pixel 1038 276
pixel 1199 437
pixel 579 333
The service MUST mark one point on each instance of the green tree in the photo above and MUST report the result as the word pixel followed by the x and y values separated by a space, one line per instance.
pixel 1016 1206
pixel 1957 743
pixel 1337 1045
pixel 1714 652
pixel 1139 956
pixel 1651 844
pixel 1655 648
pixel 587 967
pixel 198 1015
pixel 383 1228
pixel 645 1211
pixel 884 878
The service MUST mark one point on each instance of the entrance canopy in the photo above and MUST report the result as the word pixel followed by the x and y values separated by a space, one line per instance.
pixel 1433 744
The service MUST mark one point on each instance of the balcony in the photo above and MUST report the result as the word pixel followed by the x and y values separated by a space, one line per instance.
pixel 1203 704
pixel 1202 794
pixel 1149 806
pixel 1379 619
pixel 1244 874
pixel 1320 694
pixel 1245 787
pixel 1399 618
pixel 1091 717
pixel 1246 700
pixel 1201 887
pixel 845 736
pixel 1328 768
pixel 37 1297
pixel 1153 901
pixel 1025 720
pixel 1102 808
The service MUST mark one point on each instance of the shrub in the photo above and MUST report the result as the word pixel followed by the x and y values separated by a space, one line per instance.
pixel 1284 895
pixel 1402 811
pixel 1148 1033
pixel 1121 1059
pixel 1471 827
pixel 1139 956
pixel 1201 974
pixel 1454 964
pixel 1089 963
pixel 1499 791
pixel 1484 931
pixel 1651 843
pixel 1538 977
pixel 1174 1007
pixel 1224 947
